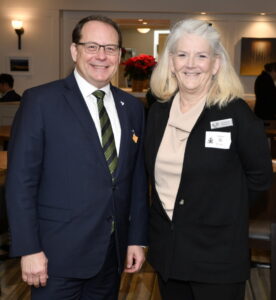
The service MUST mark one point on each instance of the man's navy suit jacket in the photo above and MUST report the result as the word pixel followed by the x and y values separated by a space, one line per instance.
pixel 60 195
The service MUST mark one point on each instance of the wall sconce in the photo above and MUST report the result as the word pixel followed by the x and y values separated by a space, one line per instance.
pixel 18 27
pixel 143 30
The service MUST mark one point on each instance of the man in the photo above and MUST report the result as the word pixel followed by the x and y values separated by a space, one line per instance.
pixel 265 91
pixel 76 194
pixel 6 89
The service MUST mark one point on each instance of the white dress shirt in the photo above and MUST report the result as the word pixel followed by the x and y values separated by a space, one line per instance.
pixel 87 89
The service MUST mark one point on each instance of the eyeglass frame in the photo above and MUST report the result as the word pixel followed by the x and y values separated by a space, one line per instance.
pixel 99 46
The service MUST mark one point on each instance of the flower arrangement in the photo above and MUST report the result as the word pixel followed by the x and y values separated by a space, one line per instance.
pixel 139 67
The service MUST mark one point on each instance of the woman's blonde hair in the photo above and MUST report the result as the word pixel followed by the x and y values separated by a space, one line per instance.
pixel 225 85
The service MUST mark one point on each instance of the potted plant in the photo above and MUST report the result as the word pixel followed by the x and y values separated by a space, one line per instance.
pixel 138 69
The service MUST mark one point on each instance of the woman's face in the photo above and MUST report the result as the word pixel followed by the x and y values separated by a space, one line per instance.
pixel 194 64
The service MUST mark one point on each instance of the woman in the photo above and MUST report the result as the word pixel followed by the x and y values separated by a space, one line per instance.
pixel 205 153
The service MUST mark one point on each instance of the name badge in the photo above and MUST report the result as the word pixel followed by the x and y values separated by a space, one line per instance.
pixel 221 123
pixel 217 139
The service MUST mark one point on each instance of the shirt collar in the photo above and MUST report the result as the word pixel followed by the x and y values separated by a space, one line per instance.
pixel 185 121
pixel 87 88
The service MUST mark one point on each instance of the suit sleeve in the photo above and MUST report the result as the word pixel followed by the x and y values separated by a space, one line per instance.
pixel 139 203
pixel 25 162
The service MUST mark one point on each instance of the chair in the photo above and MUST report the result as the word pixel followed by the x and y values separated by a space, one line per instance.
pixel 262 232
pixel 3 212
pixel 270 128
pixel 3 160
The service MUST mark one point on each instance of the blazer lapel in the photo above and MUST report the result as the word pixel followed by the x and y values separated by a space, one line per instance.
pixel 160 126
pixel 76 102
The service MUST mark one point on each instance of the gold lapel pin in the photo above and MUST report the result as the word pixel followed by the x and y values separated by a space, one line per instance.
pixel 134 137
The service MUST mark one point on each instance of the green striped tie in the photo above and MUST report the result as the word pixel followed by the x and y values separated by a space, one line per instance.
pixel 108 142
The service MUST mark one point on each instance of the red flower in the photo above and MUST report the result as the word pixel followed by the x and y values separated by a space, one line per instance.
pixel 139 67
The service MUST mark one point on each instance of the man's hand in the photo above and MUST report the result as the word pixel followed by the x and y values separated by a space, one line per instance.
pixel 135 259
pixel 34 269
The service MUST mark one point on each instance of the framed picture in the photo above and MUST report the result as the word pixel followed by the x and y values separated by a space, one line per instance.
pixel 255 53
pixel 19 65
pixel 127 53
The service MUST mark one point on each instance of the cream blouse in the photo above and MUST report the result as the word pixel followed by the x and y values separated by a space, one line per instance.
pixel 170 156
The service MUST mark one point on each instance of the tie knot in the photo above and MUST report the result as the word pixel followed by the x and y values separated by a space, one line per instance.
pixel 99 94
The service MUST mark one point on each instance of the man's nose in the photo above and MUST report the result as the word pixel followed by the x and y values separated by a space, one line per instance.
pixel 101 53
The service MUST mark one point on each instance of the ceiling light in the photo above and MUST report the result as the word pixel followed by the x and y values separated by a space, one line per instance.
pixel 143 30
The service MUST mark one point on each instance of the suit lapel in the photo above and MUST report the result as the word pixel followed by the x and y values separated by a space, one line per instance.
pixel 76 102
pixel 123 118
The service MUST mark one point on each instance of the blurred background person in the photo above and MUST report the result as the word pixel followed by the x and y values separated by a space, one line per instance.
pixel 206 152
pixel 265 91
pixel 6 89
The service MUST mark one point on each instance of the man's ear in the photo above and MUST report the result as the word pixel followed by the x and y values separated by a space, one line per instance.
pixel 120 55
pixel 74 51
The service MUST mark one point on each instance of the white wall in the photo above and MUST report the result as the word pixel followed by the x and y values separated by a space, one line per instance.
pixel 46 30
pixel 40 42
pixel 233 28
pixel 141 43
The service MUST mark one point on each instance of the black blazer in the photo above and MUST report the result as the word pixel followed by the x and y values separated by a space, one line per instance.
pixel 60 195
pixel 207 239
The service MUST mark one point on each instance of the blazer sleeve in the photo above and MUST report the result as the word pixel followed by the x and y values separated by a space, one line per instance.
pixel 25 161
pixel 253 150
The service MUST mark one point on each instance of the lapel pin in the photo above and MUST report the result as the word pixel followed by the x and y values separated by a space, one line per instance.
pixel 122 103
pixel 134 137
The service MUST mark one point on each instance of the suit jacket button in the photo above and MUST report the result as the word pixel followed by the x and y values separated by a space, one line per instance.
pixel 181 202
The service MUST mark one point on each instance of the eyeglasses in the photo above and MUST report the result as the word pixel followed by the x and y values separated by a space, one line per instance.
pixel 93 48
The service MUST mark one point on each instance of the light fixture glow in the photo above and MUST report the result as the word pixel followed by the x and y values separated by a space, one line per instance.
pixel 262 14
pixel 203 13
pixel 143 30
pixel 17 24
pixel 19 30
